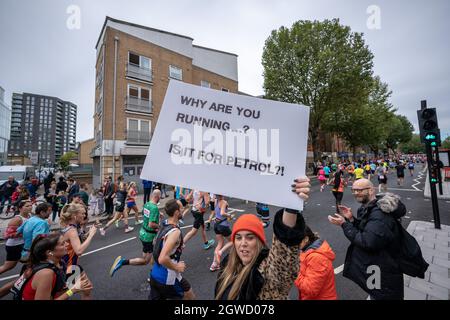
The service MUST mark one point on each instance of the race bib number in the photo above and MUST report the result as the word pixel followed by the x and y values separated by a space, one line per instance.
pixel 146 213
pixel 381 177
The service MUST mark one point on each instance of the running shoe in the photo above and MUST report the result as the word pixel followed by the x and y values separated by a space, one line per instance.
pixel 214 267
pixel 266 224
pixel 102 231
pixel 117 223
pixel 129 229
pixel 138 222
pixel 208 245
pixel 116 265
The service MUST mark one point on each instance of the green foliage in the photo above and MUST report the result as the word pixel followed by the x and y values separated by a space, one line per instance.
pixel 319 64
pixel 64 161
pixel 446 143
pixel 400 131
pixel 413 146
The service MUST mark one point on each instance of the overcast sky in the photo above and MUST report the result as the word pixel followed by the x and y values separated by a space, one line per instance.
pixel 40 54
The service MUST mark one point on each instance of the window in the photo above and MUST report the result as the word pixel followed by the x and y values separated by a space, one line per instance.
pixel 225 89
pixel 205 84
pixel 138 125
pixel 175 73
pixel 138 92
pixel 140 61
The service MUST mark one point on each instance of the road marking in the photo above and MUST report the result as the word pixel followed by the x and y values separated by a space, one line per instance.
pixel 238 210
pixel 339 269
pixel 111 245
pixel 411 190
pixel 10 277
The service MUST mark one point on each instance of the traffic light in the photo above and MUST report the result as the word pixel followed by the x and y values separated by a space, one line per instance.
pixel 428 126
pixel 434 174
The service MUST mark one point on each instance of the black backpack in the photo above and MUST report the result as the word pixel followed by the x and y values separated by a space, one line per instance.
pixel 159 240
pixel 19 285
pixel 409 258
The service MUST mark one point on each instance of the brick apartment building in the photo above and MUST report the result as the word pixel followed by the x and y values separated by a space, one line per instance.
pixel 134 65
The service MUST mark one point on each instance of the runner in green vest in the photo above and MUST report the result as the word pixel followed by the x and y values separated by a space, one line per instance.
pixel 148 232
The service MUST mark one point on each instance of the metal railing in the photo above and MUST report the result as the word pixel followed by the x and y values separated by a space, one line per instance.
pixel 138 104
pixel 138 72
pixel 138 137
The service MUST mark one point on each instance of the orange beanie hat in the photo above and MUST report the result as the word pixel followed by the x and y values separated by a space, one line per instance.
pixel 250 223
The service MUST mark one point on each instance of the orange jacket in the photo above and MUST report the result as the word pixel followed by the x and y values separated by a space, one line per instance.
pixel 315 280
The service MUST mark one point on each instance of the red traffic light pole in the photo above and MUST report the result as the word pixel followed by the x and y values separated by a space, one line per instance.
pixel 430 162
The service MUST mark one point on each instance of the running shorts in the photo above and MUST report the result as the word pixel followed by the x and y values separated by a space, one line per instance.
pixel 131 204
pixel 147 247
pixel 198 219
pixel 160 291
pixel 401 175
pixel 14 253
pixel 222 230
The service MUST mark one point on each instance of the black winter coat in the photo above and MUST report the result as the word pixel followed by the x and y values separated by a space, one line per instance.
pixel 374 237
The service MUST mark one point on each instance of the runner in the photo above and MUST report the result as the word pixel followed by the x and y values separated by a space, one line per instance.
pixel 147 234
pixel 359 173
pixel 334 167
pixel 14 243
pixel 72 215
pixel 131 202
pixel 166 281
pixel 222 231
pixel 382 178
pixel 350 171
pixel 212 200
pixel 322 178
pixel 338 187
pixel 400 173
pixel 368 170
pixel 411 168
pixel 327 171
pixel 373 168
pixel 121 196
pixel 35 226
pixel 200 199
pixel 263 212
pixel 43 278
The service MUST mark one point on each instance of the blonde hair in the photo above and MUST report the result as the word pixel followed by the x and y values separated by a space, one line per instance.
pixel 69 211
pixel 235 273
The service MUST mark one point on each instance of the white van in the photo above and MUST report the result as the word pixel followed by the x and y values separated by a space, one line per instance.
pixel 20 173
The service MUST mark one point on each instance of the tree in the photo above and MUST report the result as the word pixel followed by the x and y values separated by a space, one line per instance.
pixel 400 131
pixel 322 65
pixel 64 161
pixel 365 124
pixel 413 146
pixel 446 143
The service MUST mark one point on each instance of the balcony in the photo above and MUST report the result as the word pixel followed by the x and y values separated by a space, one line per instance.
pixel 138 104
pixel 136 71
pixel 138 137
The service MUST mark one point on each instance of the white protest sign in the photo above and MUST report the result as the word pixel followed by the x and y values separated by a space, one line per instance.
pixel 229 144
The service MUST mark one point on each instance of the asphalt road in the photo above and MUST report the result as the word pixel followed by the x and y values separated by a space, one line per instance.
pixel 129 283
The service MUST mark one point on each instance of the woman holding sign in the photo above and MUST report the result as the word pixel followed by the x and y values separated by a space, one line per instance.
pixel 252 271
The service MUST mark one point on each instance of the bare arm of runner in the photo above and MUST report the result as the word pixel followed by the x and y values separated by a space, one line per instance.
pixel 42 282
pixel 169 244
pixel 75 240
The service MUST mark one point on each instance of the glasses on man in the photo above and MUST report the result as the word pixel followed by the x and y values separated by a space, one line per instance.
pixel 359 190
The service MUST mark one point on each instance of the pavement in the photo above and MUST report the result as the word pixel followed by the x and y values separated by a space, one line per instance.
pixel 435 245
pixel 445 189
pixel 130 282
